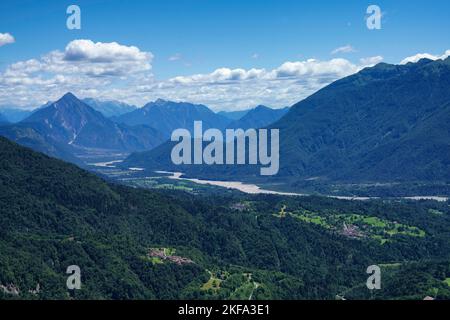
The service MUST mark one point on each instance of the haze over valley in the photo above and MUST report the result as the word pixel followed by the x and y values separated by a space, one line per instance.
pixel 224 150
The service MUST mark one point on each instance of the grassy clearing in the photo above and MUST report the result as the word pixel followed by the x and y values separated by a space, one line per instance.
pixel 389 265
pixel 233 286
pixel 212 284
pixel 447 281
pixel 281 213
pixel 435 212
pixel 158 183
pixel 372 227
pixel 243 292
pixel 314 219
pixel 170 251
pixel 152 260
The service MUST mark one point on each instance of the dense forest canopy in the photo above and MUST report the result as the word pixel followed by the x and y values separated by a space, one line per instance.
pixel 139 244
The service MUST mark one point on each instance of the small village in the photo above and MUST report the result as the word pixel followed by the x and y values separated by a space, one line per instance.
pixel 165 254
pixel 351 231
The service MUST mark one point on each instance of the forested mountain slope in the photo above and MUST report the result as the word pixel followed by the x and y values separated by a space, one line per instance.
pixel 54 215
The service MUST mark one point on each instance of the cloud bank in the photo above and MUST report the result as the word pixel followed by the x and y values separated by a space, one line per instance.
pixel 83 66
pixel 116 71
pixel 420 56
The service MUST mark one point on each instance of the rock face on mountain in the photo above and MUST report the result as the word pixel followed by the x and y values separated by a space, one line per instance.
pixel 166 116
pixel 71 125
pixel 388 123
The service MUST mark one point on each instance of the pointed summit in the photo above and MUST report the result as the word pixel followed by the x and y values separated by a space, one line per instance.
pixel 69 96
pixel 69 103
pixel 262 107
pixel 71 122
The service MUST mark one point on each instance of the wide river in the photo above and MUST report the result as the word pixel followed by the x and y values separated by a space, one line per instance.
pixel 254 189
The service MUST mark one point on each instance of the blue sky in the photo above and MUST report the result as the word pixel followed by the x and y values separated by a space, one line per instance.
pixel 197 37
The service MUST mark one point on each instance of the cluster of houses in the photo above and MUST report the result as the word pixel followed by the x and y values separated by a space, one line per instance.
pixel 10 289
pixel 161 253
pixel 239 206
pixel 13 290
pixel 352 231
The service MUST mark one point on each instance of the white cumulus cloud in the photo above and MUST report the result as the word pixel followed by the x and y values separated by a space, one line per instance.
pixel 87 50
pixel 84 57
pixel 115 71
pixel 315 68
pixel 234 89
pixel 82 66
pixel 6 38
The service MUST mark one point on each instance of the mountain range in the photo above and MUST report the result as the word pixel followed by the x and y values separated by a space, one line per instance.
pixel 109 108
pixel 166 116
pixel 69 128
pixel 233 115
pixel 259 117
pixel 72 121
pixel 74 129
pixel 385 124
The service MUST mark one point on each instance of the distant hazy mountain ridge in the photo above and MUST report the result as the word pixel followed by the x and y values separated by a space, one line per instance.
pixel 167 116
pixel 259 117
pixel 233 115
pixel 109 108
pixel 14 114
